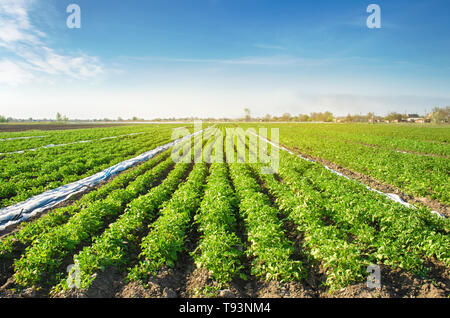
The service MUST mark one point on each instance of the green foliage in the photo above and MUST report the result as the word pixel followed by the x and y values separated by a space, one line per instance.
pixel 23 175
pixel 28 232
pixel 346 227
pixel 46 255
pixel 167 234
pixel 441 115
pixel 271 252
pixel 219 249
pixel 114 246
pixel 342 226
pixel 411 158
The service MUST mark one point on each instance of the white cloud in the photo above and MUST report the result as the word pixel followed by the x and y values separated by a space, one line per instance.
pixel 13 74
pixel 20 37
pixel 47 61
pixel 15 25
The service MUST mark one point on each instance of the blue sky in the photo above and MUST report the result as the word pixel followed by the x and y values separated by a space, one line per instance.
pixel 167 58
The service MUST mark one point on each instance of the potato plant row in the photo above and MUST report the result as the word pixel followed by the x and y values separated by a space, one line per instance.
pixel 167 235
pixel 398 235
pixel 270 251
pixel 230 219
pixel 346 227
pixel 423 140
pixel 28 232
pixel 323 243
pixel 114 246
pixel 42 261
pixel 219 249
pixel 416 175
pixel 22 141
pixel 25 175
pixel 420 176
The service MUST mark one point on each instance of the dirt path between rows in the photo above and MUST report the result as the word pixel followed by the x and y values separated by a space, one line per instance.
pixel 375 184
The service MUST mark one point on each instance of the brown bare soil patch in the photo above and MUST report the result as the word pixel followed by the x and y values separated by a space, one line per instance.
pixel 396 283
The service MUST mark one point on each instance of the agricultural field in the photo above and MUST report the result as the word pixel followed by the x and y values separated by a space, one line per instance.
pixel 224 219
pixel 35 161
pixel 411 161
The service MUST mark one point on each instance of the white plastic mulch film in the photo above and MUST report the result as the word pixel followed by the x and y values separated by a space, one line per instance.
pixel 17 138
pixel 24 210
pixel 390 196
pixel 61 145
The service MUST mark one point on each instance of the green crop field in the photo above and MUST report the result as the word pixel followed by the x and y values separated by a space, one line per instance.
pixel 241 225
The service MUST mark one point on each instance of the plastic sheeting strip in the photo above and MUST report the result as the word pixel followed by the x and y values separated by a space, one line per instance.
pixel 70 143
pixel 22 211
pixel 390 196
pixel 17 138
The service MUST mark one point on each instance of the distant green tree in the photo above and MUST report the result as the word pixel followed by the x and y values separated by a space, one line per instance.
pixel 348 118
pixel 303 118
pixel 268 117
pixel 3 119
pixel 322 117
pixel 394 116
pixel 328 117
pixel 247 112
pixel 286 117
pixel 370 117
pixel 440 115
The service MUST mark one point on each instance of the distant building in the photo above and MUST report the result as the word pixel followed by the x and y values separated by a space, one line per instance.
pixel 415 118
pixel 429 117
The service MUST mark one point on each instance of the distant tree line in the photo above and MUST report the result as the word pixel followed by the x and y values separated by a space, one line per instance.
pixel 313 117
pixel 437 116
pixel 61 118
pixel 440 115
